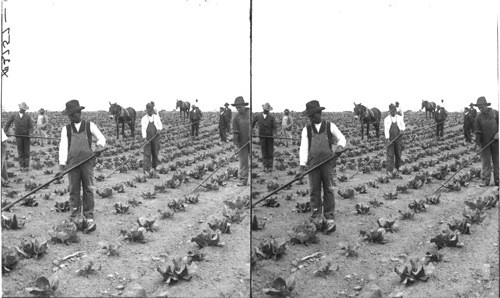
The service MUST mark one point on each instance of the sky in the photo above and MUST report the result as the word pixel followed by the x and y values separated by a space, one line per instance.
pixel 129 52
pixel 373 52
pixel 337 52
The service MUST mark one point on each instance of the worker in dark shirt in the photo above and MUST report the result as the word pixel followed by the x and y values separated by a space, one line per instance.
pixel 486 128
pixel 23 126
pixel 267 132
pixel 241 137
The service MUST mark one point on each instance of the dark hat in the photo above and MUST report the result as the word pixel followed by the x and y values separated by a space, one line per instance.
pixel 392 107
pixel 471 104
pixel 482 101
pixel 239 101
pixel 312 107
pixel 41 110
pixel 72 106
pixel 226 104
pixel 286 111
pixel 150 106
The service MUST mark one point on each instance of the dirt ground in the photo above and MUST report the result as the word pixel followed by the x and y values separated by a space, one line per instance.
pixel 224 273
pixel 461 274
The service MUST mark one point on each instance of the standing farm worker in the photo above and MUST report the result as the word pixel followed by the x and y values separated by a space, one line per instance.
pixel 267 127
pixel 41 126
pixel 399 111
pixel 195 117
pixel 150 125
pixel 469 119
pixel 486 128
pixel 241 136
pixel 223 125
pixel 319 141
pixel 76 146
pixel 229 114
pixel 286 125
pixel 23 125
pixel 5 177
pixel 440 116
pixel 394 126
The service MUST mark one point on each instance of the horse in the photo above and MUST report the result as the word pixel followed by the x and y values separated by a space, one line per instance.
pixel 429 107
pixel 122 115
pixel 184 106
pixel 368 116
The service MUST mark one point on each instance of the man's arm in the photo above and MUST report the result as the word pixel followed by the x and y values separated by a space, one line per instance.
pixel 101 140
pixel 144 124
pixel 338 135
pixel 402 125
pixel 387 122
pixel 159 125
pixel 63 147
pixel 8 123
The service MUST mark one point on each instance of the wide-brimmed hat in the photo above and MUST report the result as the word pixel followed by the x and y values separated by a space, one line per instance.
pixel 41 110
pixel 392 107
pixel 238 101
pixel 267 107
pixel 72 106
pixel 312 107
pixel 481 101
pixel 23 106
pixel 226 104
pixel 471 104
pixel 150 106
pixel 286 111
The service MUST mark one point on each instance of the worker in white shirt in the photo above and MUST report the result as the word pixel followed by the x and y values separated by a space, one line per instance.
pixel 393 130
pixel 320 139
pixel 75 147
pixel 151 126
pixel 399 111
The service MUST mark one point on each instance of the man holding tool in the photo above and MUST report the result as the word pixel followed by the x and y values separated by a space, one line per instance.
pixel 321 139
pixel 23 126
pixel 394 126
pixel 440 116
pixel 150 127
pixel 486 128
pixel 75 147
pixel 41 126
pixel 195 117
pixel 229 114
pixel 267 127
pixel 241 137
pixel 286 125
pixel 223 125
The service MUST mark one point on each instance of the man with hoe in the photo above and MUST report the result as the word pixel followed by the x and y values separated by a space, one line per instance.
pixel 23 126
pixel 229 114
pixel 486 127
pixel 320 140
pixel 440 116
pixel 150 126
pixel 241 137
pixel 74 148
pixel 267 131
pixel 286 125
pixel 223 125
pixel 195 117
pixel 393 131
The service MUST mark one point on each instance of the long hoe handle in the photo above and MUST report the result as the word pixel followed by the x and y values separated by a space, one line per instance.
pixel 337 154
pixel 221 166
pixel 50 181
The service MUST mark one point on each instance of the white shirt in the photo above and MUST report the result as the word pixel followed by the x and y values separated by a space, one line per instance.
pixel 4 136
pixel 389 120
pixel 63 145
pixel 145 121
pixel 399 110
pixel 304 144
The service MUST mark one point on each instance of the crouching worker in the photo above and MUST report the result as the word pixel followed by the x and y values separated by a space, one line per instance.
pixel 320 140
pixel 75 147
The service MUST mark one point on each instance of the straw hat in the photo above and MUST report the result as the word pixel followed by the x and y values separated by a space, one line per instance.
pixel 267 107
pixel 23 106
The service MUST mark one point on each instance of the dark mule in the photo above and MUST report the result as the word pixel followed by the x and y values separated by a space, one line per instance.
pixel 368 116
pixel 184 106
pixel 429 107
pixel 122 115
